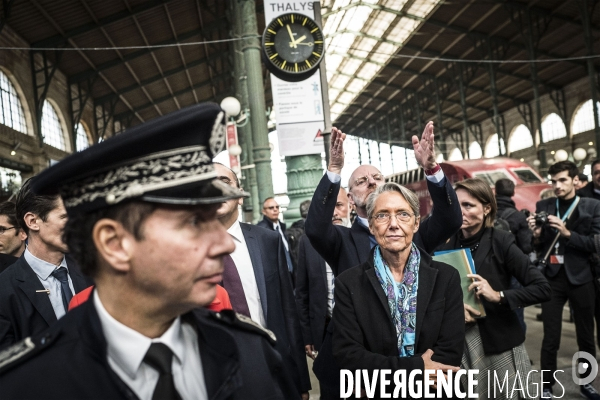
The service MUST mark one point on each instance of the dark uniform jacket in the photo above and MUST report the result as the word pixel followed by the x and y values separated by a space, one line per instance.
pixel 266 223
pixel 517 222
pixel 497 259
pixel 6 261
pixel 588 191
pixel 584 223
pixel 311 293
pixel 344 248
pixel 69 361
pixel 23 311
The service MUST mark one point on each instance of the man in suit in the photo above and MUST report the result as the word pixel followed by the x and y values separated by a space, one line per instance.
pixel 142 221
pixel 574 221
pixel 344 248
pixel 258 284
pixel 12 236
pixel 271 221
pixel 592 189
pixel 35 291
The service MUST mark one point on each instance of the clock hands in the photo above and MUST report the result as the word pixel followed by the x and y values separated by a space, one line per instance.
pixel 293 42
pixel 305 44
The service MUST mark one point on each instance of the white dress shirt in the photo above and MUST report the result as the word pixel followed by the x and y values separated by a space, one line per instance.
pixel 126 349
pixel 43 270
pixel 277 228
pixel 243 263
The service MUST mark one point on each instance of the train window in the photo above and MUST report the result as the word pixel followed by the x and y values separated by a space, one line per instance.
pixel 491 176
pixel 527 175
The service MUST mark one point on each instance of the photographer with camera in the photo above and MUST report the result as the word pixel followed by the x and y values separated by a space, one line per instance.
pixel 563 229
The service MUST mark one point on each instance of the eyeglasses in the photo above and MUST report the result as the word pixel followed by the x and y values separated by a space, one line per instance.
pixel 364 179
pixel 271 208
pixel 3 229
pixel 384 218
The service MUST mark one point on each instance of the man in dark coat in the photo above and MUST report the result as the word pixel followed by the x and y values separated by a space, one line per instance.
pixel 142 221
pixel 32 295
pixel 568 268
pixel 592 189
pixel 505 190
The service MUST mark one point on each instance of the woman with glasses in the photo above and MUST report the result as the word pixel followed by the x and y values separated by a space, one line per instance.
pixel 495 343
pixel 400 310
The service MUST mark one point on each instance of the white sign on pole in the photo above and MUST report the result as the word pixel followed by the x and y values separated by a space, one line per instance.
pixel 299 105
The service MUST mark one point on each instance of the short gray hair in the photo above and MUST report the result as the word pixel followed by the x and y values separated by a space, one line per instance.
pixel 410 196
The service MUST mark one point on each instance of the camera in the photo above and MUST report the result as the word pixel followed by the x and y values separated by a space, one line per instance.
pixel 541 219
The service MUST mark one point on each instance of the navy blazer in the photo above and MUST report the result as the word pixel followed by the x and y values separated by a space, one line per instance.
pixel 6 261
pixel 584 223
pixel 311 293
pixel 69 361
pixel 23 311
pixel 267 224
pixel 277 298
pixel 344 248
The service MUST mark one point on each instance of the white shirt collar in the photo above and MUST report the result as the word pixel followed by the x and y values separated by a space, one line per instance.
pixel 596 190
pixel 43 269
pixel 235 230
pixel 127 347
pixel 363 221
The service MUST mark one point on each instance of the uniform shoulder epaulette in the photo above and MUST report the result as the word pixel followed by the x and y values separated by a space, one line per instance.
pixel 245 323
pixel 15 353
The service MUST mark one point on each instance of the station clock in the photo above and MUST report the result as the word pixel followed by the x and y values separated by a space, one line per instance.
pixel 293 47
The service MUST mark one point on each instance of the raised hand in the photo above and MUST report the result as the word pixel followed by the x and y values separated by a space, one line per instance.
pixel 425 148
pixel 336 151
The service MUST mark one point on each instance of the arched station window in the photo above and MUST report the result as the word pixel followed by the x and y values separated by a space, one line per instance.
pixel 51 128
pixel 82 140
pixel 455 155
pixel 583 120
pixel 11 114
pixel 553 128
pixel 520 139
pixel 491 148
pixel 475 151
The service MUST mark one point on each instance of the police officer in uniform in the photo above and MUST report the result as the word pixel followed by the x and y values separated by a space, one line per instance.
pixel 142 221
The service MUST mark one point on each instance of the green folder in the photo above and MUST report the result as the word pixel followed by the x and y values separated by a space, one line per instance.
pixel 462 260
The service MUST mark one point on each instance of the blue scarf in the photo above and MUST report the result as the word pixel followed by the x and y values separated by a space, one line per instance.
pixel 402 298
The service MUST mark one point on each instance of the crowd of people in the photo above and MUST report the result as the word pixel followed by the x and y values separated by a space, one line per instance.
pixel 127 274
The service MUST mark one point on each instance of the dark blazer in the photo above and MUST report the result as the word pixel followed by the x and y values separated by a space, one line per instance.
pixel 588 191
pixel 266 223
pixel 517 222
pixel 23 312
pixel 497 259
pixel 584 223
pixel 277 298
pixel 344 248
pixel 311 293
pixel 69 361
pixel 364 336
pixel 6 261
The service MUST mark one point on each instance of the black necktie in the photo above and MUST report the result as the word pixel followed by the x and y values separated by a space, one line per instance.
pixel 160 357
pixel 63 277
pixel 233 284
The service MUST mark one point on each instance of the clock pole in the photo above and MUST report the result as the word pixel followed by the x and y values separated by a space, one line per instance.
pixel 256 99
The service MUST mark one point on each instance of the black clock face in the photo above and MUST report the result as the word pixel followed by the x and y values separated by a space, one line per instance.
pixel 293 46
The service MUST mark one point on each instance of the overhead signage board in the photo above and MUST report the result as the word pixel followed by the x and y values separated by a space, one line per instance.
pixel 299 105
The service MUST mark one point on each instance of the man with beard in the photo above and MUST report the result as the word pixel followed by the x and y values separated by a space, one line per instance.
pixel 343 247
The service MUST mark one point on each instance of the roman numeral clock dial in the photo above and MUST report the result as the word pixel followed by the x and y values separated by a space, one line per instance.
pixel 293 47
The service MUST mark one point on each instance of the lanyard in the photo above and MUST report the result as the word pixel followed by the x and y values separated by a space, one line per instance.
pixel 573 204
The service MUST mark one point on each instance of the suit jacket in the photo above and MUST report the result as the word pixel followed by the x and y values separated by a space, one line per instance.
pixel 69 361
pixel 497 260
pixel 23 312
pixel 277 298
pixel 344 248
pixel 6 261
pixel 311 293
pixel 266 223
pixel 588 191
pixel 364 336
pixel 584 223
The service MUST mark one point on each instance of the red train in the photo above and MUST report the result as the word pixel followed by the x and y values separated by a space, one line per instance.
pixel 528 183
